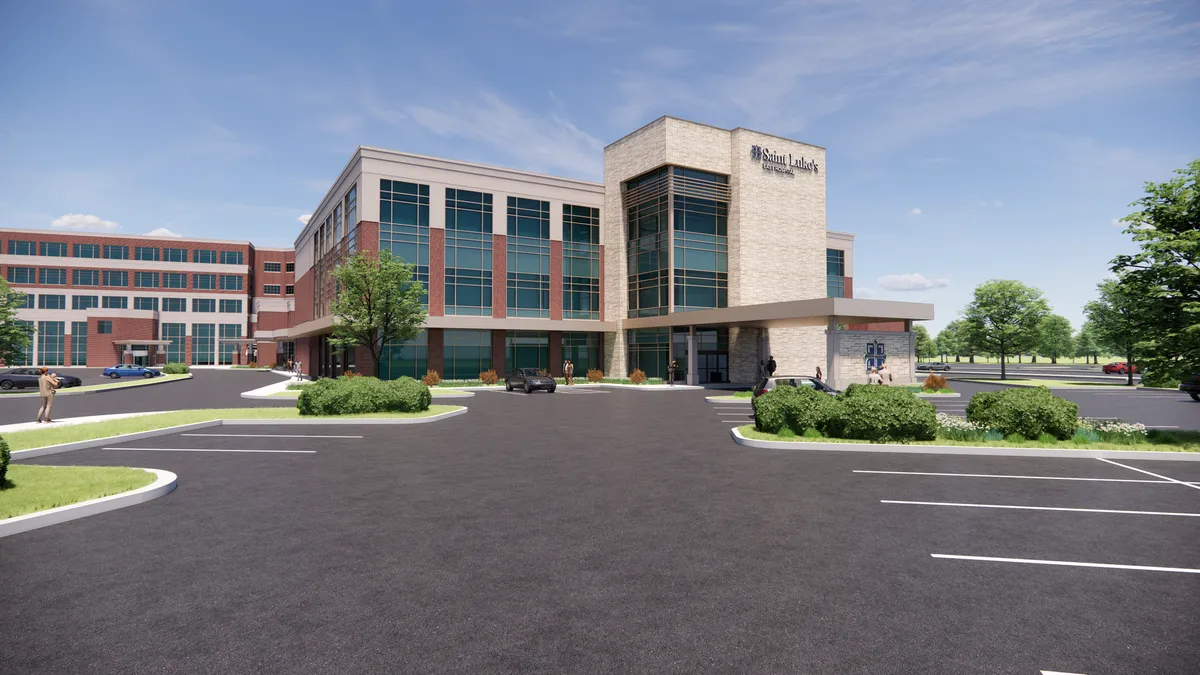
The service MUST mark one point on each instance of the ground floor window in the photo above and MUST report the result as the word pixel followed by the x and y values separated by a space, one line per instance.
pixel 26 358
pixel 649 350
pixel 204 344
pixel 467 353
pixel 177 350
pixel 79 343
pixel 229 331
pixel 50 343
pixel 585 350
pixel 526 349
pixel 712 354
pixel 408 358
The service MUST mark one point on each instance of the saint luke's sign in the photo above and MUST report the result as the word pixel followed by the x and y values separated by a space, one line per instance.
pixel 780 163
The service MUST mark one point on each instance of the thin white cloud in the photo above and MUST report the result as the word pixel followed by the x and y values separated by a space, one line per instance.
pixel 914 212
pixel 162 232
pixel 914 281
pixel 305 218
pixel 83 222
pixel 864 293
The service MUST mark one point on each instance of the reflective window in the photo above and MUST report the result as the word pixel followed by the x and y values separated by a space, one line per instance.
pixel 204 282
pixel 468 253
pixel 289 289
pixel 50 342
pixel 174 305
pixel 701 214
pixel 835 273
pixel 174 280
pixel 145 279
pixel 581 262
pixel 146 253
pixel 231 306
pixel 104 327
pixel 270 289
pixel 116 278
pixel 404 224
pixel 85 277
pixel 585 350
pixel 146 304
pixel 204 344
pixel 231 282
pixel 174 255
pixel 526 349
pixel 85 301
pixel 116 252
pixel 405 359
pixel 351 203
pixel 52 301
pixel 231 258
pixel 271 267
pixel 18 247
pixel 114 302
pixel 207 256
pixel 23 300
pixel 175 332
pixel 26 355
pixel 528 278
pixel 229 331
pixel 79 343
pixel 206 305
pixel 649 350
pixel 467 353
pixel 22 275
pixel 56 249
pixel 645 200
pixel 290 267
pixel 52 276
pixel 86 250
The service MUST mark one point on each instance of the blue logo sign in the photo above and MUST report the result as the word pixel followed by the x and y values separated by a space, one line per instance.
pixel 756 152
pixel 876 355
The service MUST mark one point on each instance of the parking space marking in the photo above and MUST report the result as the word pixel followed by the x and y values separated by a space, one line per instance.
pixel 1042 508
pixel 1058 672
pixel 1148 473
pixel 993 475
pixel 288 452
pixel 269 436
pixel 1067 563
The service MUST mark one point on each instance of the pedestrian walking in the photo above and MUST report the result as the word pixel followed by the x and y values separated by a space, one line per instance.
pixel 885 375
pixel 820 377
pixel 299 371
pixel 873 377
pixel 569 371
pixel 762 370
pixel 48 384
pixel 671 372
pixel 771 366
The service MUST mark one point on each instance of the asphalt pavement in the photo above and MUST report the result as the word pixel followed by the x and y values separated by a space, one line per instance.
pixel 615 532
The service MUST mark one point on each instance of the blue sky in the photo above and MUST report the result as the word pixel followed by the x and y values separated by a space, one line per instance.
pixel 966 141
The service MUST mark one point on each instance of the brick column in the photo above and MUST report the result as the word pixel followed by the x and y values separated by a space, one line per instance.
pixel 67 349
pixel 363 363
pixel 498 364
pixel 436 360
pixel 556 355
pixel 556 282
pixel 499 282
pixel 849 287
pixel 187 349
pixel 437 272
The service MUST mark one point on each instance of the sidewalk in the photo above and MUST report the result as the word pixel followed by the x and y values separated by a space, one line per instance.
pixel 71 421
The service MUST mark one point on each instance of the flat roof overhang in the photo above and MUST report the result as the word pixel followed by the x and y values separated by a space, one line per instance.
pixel 818 311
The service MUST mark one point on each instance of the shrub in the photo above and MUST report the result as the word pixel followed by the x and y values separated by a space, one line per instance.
pixel 770 409
pixel 1047 438
pixel 1029 412
pixel 1160 378
pixel 638 376
pixel 1015 438
pixel 881 415
pixel 1085 436
pixel 431 378
pixel 359 395
pixel 489 377
pixel 350 373
pixel 935 383
pixel 595 375
pixel 4 457
pixel 176 369
pixel 786 433
pixel 1114 431
pixel 812 433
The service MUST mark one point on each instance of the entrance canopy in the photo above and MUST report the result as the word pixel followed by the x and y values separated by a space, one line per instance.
pixel 792 313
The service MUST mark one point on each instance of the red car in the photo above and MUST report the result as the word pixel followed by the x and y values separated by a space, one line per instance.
pixel 1118 367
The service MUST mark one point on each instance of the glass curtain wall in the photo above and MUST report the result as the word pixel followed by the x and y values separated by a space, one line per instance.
pixel 645 200
pixel 204 344
pixel 50 343
pixel 468 253
pixel 229 349
pixel 649 350
pixel 585 350
pixel 528 258
pixel 581 262
pixel 175 332
pixel 407 358
pixel 466 353
pixel 79 343
pixel 527 349
pixel 404 225
pixel 701 214
pixel 26 359
pixel 712 354
pixel 835 273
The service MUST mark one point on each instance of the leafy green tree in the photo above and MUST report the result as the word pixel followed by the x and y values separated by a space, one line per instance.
pixel 1086 345
pixel 1119 320
pixel 14 337
pixel 379 302
pixel 1057 338
pixel 949 340
pixel 1167 273
pixel 925 348
pixel 1003 319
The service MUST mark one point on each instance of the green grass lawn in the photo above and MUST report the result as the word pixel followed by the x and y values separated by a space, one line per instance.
pixel 735 396
pixel 37 438
pixel 1051 384
pixel 1158 440
pixel 37 488
pixel 123 383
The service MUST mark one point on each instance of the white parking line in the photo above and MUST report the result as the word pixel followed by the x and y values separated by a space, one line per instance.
pixel 731 408
pixel 1059 672
pixel 1042 508
pixel 993 475
pixel 269 436
pixel 1067 563
pixel 289 452
pixel 1125 466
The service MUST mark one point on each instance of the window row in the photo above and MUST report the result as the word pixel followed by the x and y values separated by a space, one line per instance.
pixel 54 276
pixel 122 252
pixel 279 267
pixel 84 302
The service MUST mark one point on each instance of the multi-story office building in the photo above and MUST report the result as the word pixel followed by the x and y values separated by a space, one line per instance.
pixel 99 299
pixel 703 245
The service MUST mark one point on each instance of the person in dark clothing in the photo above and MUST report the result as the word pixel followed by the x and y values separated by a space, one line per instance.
pixel 671 373
pixel 771 366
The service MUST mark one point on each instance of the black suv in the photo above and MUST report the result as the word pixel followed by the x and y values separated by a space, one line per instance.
pixel 1191 386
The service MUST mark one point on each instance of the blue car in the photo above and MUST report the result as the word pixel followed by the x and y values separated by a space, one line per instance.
pixel 129 370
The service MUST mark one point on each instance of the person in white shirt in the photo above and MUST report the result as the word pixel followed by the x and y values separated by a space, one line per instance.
pixel 885 375
pixel 873 377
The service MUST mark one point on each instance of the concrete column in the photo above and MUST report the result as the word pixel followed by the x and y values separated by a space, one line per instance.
pixel 912 352
pixel 693 377
pixel 832 353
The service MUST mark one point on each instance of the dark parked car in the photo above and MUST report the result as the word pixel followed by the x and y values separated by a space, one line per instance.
pixel 768 383
pixel 530 379
pixel 129 370
pixel 1191 386
pixel 937 365
pixel 1118 367
pixel 20 378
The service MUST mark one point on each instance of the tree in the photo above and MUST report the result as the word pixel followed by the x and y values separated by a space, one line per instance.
pixel 379 302
pixel 1056 338
pixel 1003 318
pixel 14 336
pixel 1085 343
pixel 949 340
pixel 1167 272
pixel 924 347
pixel 1118 317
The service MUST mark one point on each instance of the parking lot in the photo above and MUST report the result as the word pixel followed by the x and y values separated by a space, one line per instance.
pixel 607 532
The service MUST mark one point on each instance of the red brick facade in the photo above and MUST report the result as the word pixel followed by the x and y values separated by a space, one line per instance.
pixel 437 351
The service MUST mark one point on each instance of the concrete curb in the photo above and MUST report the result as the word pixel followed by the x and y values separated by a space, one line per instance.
pixel 962 450
pixel 954 395
pixel 165 483
pixel 137 435
pixel 116 386
pixel 462 394
pixel 726 399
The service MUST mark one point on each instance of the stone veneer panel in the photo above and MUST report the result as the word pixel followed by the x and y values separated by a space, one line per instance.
pixel 850 348
pixel 797 351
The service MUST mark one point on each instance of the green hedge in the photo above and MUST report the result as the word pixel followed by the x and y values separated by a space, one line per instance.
pixel 1029 412
pixel 4 457
pixel 176 369
pixel 796 408
pixel 357 395
pixel 882 414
